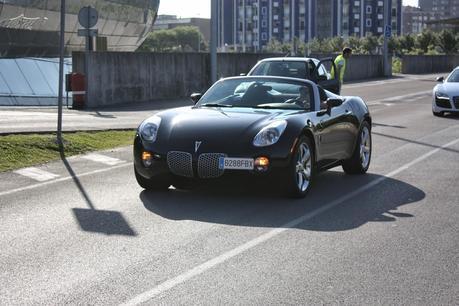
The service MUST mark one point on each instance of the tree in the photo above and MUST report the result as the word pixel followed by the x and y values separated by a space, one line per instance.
pixel 337 44
pixel 274 46
pixel 447 41
pixel 406 43
pixel 354 43
pixel 178 39
pixel 425 40
pixel 189 38
pixel 369 44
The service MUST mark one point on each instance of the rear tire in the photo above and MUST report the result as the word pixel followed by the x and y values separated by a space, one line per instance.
pixel 157 183
pixel 360 159
pixel 438 114
pixel 300 172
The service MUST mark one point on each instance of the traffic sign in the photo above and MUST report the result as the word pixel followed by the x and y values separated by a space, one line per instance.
pixel 388 31
pixel 88 17
pixel 87 32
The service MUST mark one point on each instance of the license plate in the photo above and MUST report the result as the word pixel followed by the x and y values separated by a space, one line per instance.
pixel 236 163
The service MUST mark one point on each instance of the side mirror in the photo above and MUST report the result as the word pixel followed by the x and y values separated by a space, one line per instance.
pixel 195 97
pixel 440 79
pixel 333 102
pixel 322 78
pixel 242 74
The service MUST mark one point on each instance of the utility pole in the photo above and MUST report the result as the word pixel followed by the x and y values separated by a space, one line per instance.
pixel 213 40
pixel 61 75
pixel 387 34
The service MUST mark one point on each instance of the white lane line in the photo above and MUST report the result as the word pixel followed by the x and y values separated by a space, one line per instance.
pixel 103 159
pixel 36 174
pixel 173 282
pixel 416 96
pixel 63 179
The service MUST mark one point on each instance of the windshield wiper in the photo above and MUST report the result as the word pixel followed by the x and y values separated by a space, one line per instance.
pixel 216 105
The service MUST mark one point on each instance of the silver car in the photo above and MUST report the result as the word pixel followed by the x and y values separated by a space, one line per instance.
pixel 446 94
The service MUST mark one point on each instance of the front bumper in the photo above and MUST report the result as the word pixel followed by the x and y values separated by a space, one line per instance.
pixel 196 166
pixel 445 104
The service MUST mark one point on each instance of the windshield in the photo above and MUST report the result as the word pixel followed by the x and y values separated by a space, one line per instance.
pixel 259 93
pixel 453 77
pixel 290 69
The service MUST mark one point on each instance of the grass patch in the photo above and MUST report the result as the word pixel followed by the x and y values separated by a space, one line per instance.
pixel 18 151
pixel 396 65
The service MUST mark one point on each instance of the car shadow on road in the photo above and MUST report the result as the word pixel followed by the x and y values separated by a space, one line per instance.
pixel 94 220
pixel 249 204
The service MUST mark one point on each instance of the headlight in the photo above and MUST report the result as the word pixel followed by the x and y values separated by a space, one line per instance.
pixel 440 94
pixel 148 130
pixel 270 134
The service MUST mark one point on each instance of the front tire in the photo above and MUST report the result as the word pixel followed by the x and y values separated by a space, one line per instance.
pixel 360 159
pixel 157 184
pixel 300 172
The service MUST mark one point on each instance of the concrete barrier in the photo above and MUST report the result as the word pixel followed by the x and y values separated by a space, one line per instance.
pixel 118 77
pixel 418 64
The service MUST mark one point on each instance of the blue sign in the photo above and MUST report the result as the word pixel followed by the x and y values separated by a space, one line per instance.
pixel 388 31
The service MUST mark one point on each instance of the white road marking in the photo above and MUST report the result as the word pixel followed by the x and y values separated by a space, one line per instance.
pixel 389 81
pixel 36 174
pixel 103 159
pixel 63 179
pixel 173 282
pixel 411 96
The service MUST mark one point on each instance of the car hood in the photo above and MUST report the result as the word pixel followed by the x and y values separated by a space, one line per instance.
pixel 451 89
pixel 214 126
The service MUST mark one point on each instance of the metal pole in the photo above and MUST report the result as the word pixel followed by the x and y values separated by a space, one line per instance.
pixel 86 63
pixel 213 41
pixel 385 45
pixel 61 75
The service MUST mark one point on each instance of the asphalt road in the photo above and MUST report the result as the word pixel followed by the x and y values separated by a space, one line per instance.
pixel 90 235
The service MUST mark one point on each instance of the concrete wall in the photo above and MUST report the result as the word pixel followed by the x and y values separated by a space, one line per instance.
pixel 417 64
pixel 116 77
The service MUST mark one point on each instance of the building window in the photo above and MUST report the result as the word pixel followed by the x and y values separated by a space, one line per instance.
pixel 264 36
pixel 264 23
pixel 368 22
pixel 369 9
pixel 264 10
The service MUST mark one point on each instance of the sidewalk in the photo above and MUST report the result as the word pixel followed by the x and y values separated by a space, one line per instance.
pixel 14 120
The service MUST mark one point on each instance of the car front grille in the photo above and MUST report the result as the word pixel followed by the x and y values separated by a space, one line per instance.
pixel 456 102
pixel 208 165
pixel 442 102
pixel 180 163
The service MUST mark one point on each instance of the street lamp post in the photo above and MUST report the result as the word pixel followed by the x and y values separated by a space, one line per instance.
pixel 61 75
pixel 213 40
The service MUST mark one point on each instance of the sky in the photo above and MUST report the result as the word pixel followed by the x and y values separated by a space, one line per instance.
pixel 201 8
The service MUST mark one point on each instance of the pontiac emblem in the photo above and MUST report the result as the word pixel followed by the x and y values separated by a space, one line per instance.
pixel 196 145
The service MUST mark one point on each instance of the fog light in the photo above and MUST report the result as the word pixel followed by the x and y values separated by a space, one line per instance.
pixel 147 159
pixel 261 163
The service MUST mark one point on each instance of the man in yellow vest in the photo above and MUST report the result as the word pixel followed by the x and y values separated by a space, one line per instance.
pixel 340 63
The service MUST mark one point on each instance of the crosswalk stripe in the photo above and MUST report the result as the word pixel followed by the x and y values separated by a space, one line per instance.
pixel 36 174
pixel 99 158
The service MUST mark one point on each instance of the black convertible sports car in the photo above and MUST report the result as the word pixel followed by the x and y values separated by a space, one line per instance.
pixel 279 127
